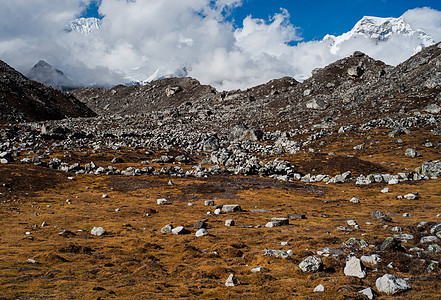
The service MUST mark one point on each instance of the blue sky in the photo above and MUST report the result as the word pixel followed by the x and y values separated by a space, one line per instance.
pixel 315 19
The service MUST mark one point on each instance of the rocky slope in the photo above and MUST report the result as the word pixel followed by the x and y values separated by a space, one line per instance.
pixel 22 100
pixel 350 91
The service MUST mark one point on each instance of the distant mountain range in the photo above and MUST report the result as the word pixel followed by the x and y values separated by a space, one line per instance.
pixel 377 31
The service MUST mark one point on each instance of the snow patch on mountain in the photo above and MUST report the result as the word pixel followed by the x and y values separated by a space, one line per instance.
pixel 379 30
pixel 84 25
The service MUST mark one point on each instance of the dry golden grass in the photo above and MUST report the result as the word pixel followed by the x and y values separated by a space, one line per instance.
pixel 136 261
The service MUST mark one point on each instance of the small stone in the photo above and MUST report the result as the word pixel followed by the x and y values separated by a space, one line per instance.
pixel 201 232
pixel 276 253
pixel 354 243
pixel 434 248
pixel 368 293
pixel 411 196
pixel 105 196
pixel 231 208
pixel 66 233
pixel 296 216
pixel 403 236
pixel 31 261
pixel 284 243
pixel 209 203
pixel 217 211
pixel 201 224
pixel 396 229
pixel 429 239
pixel 162 201
pixel 412 153
pixel 229 222
pixel 371 259
pixel 190 204
pixel 384 191
pixel 389 284
pixel 277 222
pixel 98 231
pixel 167 228
pixel 232 281
pixel 351 222
pixel 44 224
pixel 355 200
pixel 258 269
pixel 179 230
pixel 319 288
pixel 391 244
pixel 329 251
pixel 354 268
pixel 311 264
pixel 407 215
pixel 432 267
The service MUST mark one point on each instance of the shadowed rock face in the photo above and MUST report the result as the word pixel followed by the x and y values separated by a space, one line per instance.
pixel 22 99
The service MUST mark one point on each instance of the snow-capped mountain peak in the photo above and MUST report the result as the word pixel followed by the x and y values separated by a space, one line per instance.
pixel 378 30
pixel 83 25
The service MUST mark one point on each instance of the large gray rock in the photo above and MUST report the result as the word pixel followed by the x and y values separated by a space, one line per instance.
pixel 201 232
pixel 432 109
pixel 179 230
pixel 367 292
pixel 211 144
pixel 431 168
pixel 311 264
pixel 277 222
pixel 98 231
pixel 277 253
pixel 412 153
pixel 371 259
pixel 231 208
pixel 318 104
pixel 354 243
pixel 354 268
pixel 355 71
pixel 389 284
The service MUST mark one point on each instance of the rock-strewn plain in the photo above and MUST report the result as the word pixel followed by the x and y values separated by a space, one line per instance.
pixel 325 188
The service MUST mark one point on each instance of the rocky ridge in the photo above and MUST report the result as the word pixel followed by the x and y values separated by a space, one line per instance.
pixel 22 99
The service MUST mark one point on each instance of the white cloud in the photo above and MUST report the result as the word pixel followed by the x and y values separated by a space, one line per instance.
pixel 427 19
pixel 141 38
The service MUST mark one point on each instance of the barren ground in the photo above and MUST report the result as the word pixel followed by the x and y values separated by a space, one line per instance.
pixel 136 261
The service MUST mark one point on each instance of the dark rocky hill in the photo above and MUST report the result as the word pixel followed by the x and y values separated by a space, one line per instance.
pixel 350 91
pixel 22 100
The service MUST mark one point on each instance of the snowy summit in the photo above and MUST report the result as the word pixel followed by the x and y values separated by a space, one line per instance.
pixel 83 25
pixel 380 30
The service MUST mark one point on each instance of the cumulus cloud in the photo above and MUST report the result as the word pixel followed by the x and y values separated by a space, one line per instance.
pixel 427 19
pixel 142 40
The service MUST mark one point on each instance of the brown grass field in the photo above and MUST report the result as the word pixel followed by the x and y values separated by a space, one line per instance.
pixel 136 261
